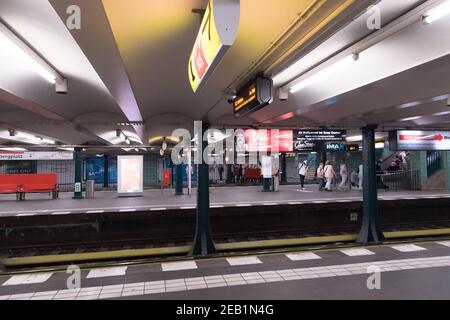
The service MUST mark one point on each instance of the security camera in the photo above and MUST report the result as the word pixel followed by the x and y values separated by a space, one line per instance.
pixel 283 94
pixel 231 98
pixel 61 86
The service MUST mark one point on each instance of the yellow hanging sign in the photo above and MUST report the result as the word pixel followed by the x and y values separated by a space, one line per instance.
pixel 216 35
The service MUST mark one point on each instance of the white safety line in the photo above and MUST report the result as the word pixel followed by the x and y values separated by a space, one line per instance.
pixel 408 248
pixel 23 279
pixel 158 209
pixel 177 266
pixel 61 213
pixel 304 256
pixel 96 211
pixel 445 243
pixel 243 261
pixel 107 272
pixel 357 252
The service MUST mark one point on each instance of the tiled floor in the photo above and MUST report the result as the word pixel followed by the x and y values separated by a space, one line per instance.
pixel 174 277
pixel 229 280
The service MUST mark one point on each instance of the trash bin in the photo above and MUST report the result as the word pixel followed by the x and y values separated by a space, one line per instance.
pixel 90 189
pixel 276 183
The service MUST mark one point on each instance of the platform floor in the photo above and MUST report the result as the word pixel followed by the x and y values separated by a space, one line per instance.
pixel 157 200
pixel 407 271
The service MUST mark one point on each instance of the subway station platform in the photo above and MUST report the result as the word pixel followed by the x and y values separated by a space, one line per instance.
pixel 406 271
pixel 221 197
pixel 44 231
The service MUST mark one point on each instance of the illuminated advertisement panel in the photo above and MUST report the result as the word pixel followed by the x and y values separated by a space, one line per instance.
pixel 130 175
pixel 406 140
pixel 269 141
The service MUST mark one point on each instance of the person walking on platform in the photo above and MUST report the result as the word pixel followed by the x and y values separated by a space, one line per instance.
pixel 329 174
pixel 321 176
pixel 344 176
pixel 302 170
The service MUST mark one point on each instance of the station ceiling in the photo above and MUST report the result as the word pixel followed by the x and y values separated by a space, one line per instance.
pixel 127 68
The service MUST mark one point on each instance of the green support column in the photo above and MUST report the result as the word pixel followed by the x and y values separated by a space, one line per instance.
pixel 106 171
pixel 370 230
pixel 179 180
pixel 283 167
pixel 203 243
pixel 78 194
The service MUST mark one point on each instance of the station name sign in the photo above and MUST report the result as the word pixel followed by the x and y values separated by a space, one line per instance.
pixel 408 140
pixel 26 155
pixel 319 140
pixel 254 96
pixel 217 34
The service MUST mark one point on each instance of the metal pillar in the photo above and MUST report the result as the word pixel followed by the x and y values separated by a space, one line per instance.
pixel 106 171
pixel 283 168
pixel 203 243
pixel 370 230
pixel 179 180
pixel 78 194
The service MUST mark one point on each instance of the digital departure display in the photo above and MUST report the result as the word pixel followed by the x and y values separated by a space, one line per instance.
pixel 253 97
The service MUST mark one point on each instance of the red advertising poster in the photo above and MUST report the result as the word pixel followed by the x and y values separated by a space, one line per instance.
pixel 269 140
pixel 201 64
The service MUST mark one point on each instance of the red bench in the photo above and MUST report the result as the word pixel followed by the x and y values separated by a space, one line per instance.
pixel 252 174
pixel 9 185
pixel 29 183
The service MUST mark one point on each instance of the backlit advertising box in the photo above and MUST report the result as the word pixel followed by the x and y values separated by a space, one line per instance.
pixel 319 140
pixel 130 176
pixel 269 140
pixel 408 140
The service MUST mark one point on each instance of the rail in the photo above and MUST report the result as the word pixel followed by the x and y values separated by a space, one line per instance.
pixel 399 181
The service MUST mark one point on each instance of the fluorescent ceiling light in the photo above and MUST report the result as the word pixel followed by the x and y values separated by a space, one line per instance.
pixel 22 51
pixel 410 119
pixel 441 113
pixel 354 138
pixel 437 13
pixel 309 80
pixel 15 149
pixel 25 138
pixel 422 11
